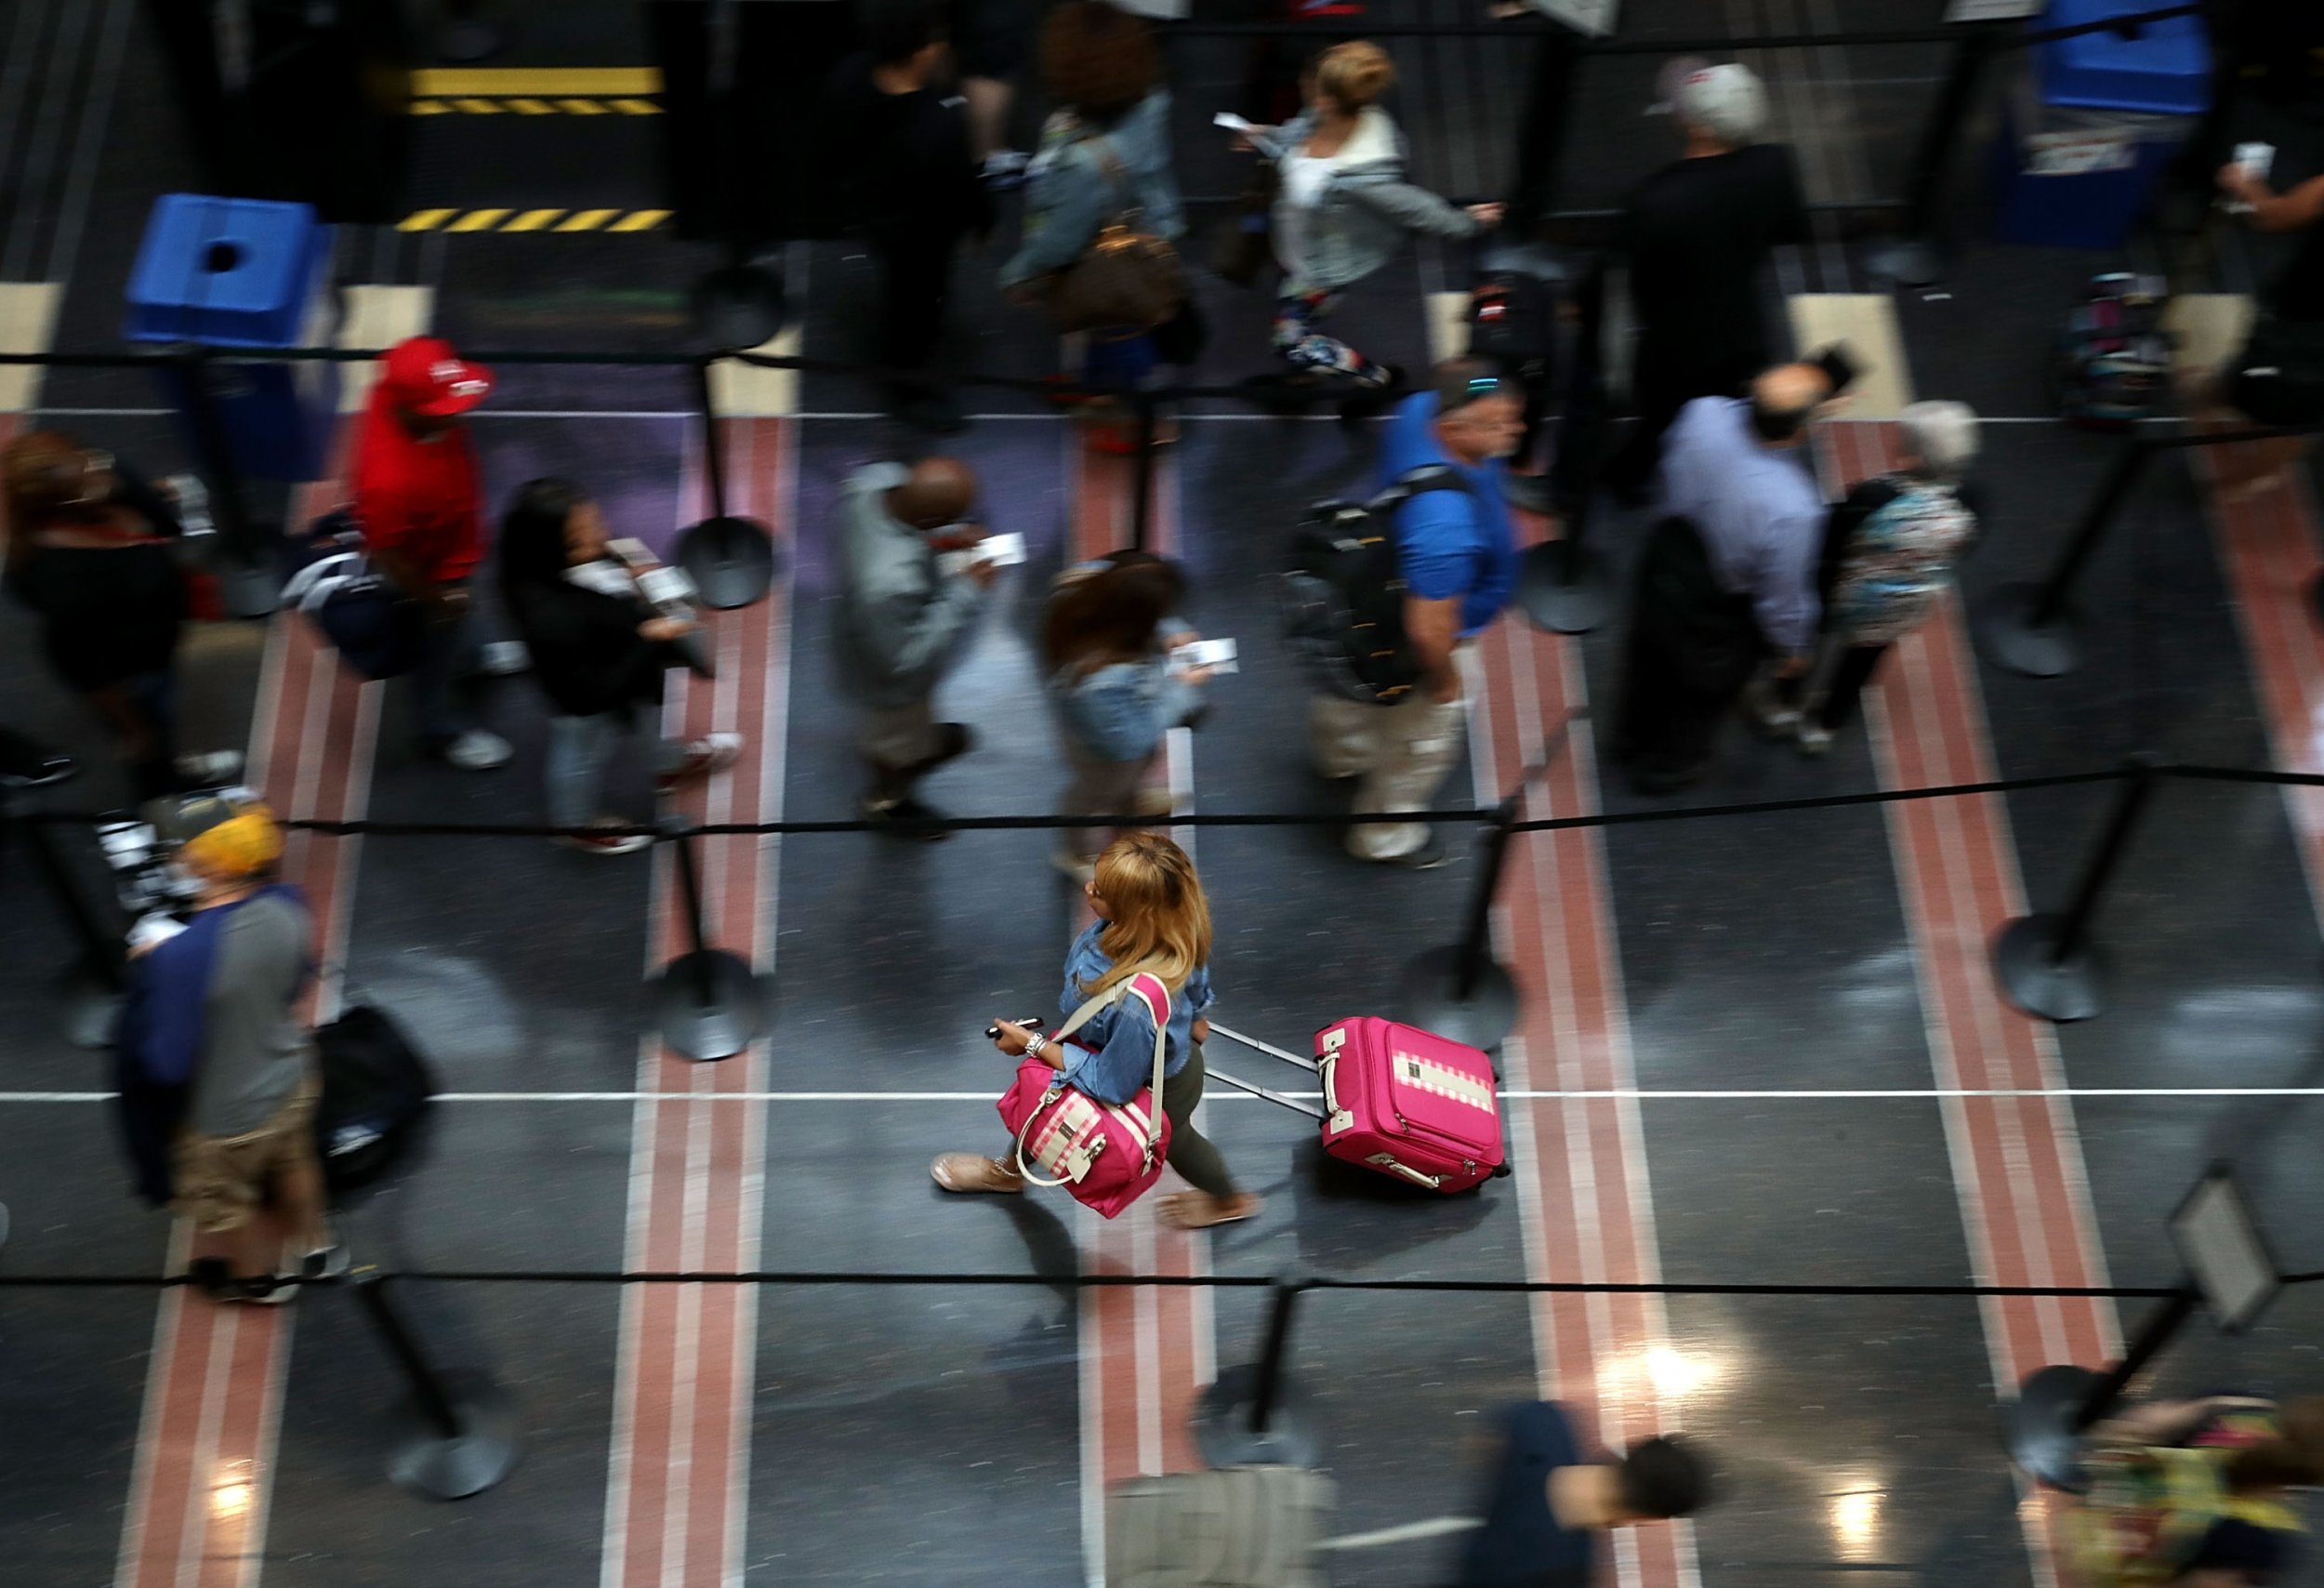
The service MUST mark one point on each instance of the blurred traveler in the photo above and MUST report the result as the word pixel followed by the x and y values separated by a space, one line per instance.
pixel 1728 577
pixel 1697 236
pixel 599 653
pixel 1458 557
pixel 994 39
pixel 1151 918
pixel 905 610
pixel 1342 206
pixel 911 185
pixel 2196 1493
pixel 1105 150
pixel 2277 377
pixel 1105 647
pixel 422 504
pixel 1890 549
pixel 1547 1501
pixel 93 550
pixel 218 1067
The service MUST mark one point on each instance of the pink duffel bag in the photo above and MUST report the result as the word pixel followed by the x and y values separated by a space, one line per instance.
pixel 1105 1154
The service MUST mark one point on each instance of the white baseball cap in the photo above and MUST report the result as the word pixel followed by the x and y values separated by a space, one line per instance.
pixel 1727 101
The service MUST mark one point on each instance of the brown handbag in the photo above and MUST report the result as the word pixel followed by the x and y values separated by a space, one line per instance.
pixel 1125 278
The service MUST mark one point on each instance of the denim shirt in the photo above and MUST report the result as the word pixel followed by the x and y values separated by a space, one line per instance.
pixel 1119 1059
pixel 1119 712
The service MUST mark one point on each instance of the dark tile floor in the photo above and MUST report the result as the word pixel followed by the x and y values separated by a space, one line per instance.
pixel 936 1435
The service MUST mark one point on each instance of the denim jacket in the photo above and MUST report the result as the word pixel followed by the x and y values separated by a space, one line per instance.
pixel 1121 711
pixel 1360 220
pixel 1119 1058
pixel 1068 195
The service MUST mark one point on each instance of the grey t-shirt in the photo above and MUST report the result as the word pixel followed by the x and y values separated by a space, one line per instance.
pixel 255 1048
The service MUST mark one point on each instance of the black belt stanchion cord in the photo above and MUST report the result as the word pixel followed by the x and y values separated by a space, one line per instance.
pixel 2047 964
pixel 730 560
pixel 457 1434
pixel 1256 1414
pixel 708 1003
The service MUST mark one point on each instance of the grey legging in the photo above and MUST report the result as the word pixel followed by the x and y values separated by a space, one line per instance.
pixel 1192 1155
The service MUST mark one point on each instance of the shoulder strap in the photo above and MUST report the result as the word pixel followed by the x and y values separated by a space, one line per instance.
pixel 1148 990
pixel 1417 482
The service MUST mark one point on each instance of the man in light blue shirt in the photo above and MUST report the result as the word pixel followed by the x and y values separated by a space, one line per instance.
pixel 1729 575
pixel 1458 559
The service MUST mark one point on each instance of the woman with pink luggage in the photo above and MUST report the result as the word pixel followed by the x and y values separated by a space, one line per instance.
pixel 1137 984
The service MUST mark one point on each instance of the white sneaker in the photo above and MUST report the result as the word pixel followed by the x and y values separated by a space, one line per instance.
pixel 478 750
pixel 1768 713
pixel 504 658
pixel 706 757
pixel 210 769
pixel 1814 739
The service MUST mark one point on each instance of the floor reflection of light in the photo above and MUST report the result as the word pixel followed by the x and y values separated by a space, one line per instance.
pixel 1855 1523
pixel 230 1491
pixel 1671 1373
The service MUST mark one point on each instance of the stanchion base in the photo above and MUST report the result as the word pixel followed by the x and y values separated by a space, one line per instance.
pixel 88 1008
pixel 1221 1423
pixel 2066 989
pixel 428 1464
pixel 738 305
pixel 2043 1439
pixel 1904 261
pixel 709 1004
pixel 1560 603
pixel 1424 998
pixel 730 560
pixel 2015 641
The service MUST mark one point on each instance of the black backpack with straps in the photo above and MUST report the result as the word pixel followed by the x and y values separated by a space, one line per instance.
pixel 1342 596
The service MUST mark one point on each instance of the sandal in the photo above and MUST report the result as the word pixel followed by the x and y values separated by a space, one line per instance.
pixel 969 1172
pixel 1201 1210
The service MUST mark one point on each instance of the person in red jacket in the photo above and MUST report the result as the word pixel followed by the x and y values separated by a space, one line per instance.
pixel 420 502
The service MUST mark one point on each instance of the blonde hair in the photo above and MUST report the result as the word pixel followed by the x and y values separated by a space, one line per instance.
pixel 1355 73
pixel 1160 922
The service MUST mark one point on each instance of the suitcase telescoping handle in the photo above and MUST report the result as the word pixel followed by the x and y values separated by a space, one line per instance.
pixel 1276 1097
pixel 1257 1046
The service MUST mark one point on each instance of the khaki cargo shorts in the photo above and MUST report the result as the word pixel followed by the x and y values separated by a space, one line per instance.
pixel 220 1181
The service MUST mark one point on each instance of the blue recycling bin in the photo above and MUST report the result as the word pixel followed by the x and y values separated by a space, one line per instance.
pixel 2093 123
pixel 228 273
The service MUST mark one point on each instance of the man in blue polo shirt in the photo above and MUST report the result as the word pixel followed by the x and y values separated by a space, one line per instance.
pixel 1459 559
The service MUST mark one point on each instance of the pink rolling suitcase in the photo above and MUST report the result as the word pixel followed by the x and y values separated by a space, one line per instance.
pixel 1398 1100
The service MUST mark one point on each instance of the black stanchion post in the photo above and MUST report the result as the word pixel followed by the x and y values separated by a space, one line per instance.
pixel 248 581
pixel 1460 990
pixel 2058 1405
pixel 2046 963
pixel 1256 1414
pixel 2030 628
pixel 1914 258
pixel 1546 118
pixel 1142 471
pixel 708 1003
pixel 458 1431
pixel 729 559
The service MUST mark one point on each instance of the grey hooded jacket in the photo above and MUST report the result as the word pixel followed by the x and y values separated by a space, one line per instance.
pixel 902 618
pixel 1365 208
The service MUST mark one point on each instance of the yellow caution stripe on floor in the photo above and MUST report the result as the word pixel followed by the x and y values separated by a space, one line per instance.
pixel 525 105
pixel 532 221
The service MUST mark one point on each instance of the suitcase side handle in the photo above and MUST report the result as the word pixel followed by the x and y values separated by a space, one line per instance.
pixel 1257 1046
pixel 1388 1161
pixel 1341 1118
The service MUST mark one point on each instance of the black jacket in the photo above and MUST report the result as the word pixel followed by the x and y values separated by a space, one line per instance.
pixel 587 652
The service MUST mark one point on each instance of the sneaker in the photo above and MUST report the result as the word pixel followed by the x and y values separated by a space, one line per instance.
pixel 503 658
pixel 1814 739
pixel 906 817
pixel 1004 170
pixel 968 1171
pixel 209 769
pixel 326 1262
pixel 1427 857
pixel 1082 869
pixel 706 757
pixel 1768 713
pixel 953 740
pixel 478 750
pixel 604 843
